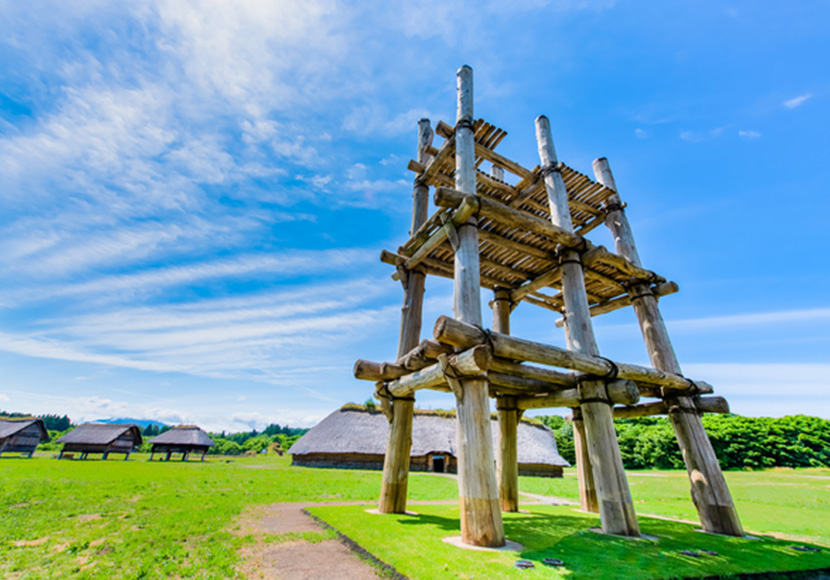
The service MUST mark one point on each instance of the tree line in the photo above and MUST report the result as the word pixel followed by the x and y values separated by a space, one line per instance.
pixel 51 422
pixel 274 438
pixel 739 442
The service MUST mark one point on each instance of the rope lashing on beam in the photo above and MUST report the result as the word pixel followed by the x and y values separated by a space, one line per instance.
pixel 595 400
pixel 675 409
pixel 639 290
pixel 615 370
pixel 463 123
pixel 452 376
pixel 383 396
pixel 552 168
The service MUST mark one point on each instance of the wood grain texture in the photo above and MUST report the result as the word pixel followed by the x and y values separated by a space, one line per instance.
pixel 616 508
pixel 399 439
pixel 710 492
pixel 481 522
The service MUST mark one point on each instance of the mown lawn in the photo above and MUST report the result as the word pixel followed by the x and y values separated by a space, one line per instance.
pixel 413 545
pixel 136 519
pixel 792 502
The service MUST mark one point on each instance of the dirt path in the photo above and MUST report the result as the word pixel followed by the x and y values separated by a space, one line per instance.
pixel 295 559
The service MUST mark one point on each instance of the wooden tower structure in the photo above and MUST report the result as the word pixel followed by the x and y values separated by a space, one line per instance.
pixel 527 243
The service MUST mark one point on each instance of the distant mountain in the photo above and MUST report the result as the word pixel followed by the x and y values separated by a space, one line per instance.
pixel 140 422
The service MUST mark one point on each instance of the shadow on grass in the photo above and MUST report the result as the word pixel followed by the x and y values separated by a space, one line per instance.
pixel 680 551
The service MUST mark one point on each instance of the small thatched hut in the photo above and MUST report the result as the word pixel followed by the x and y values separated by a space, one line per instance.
pixel 354 437
pixel 185 439
pixel 101 438
pixel 21 435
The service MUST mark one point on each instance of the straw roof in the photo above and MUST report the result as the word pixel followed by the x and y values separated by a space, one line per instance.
pixel 355 429
pixel 184 435
pixel 9 427
pixel 100 434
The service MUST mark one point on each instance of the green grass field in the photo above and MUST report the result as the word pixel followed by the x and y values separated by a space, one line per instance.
pixel 137 519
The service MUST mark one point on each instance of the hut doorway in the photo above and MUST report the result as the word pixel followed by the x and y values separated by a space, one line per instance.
pixel 438 464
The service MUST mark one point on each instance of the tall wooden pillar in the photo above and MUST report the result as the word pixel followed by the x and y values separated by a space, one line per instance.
pixel 399 441
pixel 710 493
pixel 615 505
pixel 507 459
pixel 481 522
pixel 584 473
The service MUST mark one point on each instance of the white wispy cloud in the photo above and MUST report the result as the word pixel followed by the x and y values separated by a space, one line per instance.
pixel 752 319
pixel 796 102
pixel 749 135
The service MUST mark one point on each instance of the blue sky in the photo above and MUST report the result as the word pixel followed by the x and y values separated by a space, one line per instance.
pixel 194 194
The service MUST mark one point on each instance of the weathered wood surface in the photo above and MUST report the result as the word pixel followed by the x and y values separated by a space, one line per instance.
pixel 399 439
pixel 710 493
pixel 462 335
pixel 616 507
pixel 474 361
pixel 507 459
pixel 618 391
pixel 584 473
pixel 481 522
pixel 507 465
pixel 659 290
pixel 702 404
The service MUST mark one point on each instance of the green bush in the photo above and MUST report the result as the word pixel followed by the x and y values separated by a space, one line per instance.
pixel 739 442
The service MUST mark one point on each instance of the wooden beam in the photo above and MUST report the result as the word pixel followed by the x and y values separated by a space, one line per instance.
pixel 463 335
pixel 703 404
pixel 622 392
pixel 465 210
pixel 481 522
pixel 659 290
pixel 710 493
pixel 473 361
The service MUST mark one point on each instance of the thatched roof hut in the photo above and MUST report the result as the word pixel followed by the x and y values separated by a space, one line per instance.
pixel 355 437
pixel 101 438
pixel 184 439
pixel 21 435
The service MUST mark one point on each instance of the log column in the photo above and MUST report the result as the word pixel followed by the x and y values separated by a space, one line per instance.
pixel 481 522
pixel 615 505
pixel 710 493
pixel 584 473
pixel 507 463
pixel 399 441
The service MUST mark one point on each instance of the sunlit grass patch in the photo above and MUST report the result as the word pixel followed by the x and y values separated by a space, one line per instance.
pixel 413 545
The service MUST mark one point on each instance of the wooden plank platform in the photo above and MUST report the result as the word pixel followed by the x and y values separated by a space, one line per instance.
pixel 513 258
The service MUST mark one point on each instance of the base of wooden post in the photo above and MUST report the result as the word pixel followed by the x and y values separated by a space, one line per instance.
pixel 507 465
pixel 480 510
pixel 396 463
pixel 710 493
pixel 616 508
pixel 585 475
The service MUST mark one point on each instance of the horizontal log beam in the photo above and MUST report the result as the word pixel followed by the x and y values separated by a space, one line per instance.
pixel 658 290
pixel 473 361
pixel 504 162
pixel 498 212
pixel 373 371
pixel 460 334
pixel 703 404
pixel 523 386
pixel 555 379
pixel 619 392
pixel 625 265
